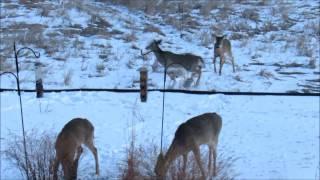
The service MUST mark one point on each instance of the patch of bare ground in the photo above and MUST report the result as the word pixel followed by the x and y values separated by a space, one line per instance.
pixel 308 88
pixel 314 80
pixel 292 73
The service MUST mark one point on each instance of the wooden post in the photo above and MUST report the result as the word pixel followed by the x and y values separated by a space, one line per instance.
pixel 39 85
pixel 143 84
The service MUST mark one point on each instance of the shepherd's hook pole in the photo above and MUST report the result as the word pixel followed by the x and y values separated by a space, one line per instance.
pixel 163 97
pixel 16 54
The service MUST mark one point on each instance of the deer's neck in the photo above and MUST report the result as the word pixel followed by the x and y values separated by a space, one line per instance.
pixel 218 44
pixel 172 153
pixel 160 55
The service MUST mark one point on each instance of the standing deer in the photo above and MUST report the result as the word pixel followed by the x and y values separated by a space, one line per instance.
pixel 76 132
pixel 189 62
pixel 222 49
pixel 202 129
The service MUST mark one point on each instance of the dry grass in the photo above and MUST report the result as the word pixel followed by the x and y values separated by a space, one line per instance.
pixel 269 26
pixel 40 148
pixel 312 63
pixel 140 162
pixel 251 14
pixel 131 37
pixel 152 28
pixel 100 67
pixel 266 74
pixel 303 46
pixel 206 38
pixel 67 77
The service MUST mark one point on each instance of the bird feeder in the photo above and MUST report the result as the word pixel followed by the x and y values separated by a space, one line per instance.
pixel 38 77
pixel 143 84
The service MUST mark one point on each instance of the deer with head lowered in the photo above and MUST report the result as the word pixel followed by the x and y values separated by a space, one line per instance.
pixel 222 49
pixel 189 62
pixel 202 129
pixel 76 132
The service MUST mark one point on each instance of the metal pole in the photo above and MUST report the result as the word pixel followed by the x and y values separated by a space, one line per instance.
pixel 16 53
pixel 163 98
pixel 22 122
pixel 21 111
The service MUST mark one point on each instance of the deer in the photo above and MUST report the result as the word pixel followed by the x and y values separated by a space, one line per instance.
pixel 189 136
pixel 175 73
pixel 189 62
pixel 222 49
pixel 68 147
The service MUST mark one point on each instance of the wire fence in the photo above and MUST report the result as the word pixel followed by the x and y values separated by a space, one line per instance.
pixel 195 92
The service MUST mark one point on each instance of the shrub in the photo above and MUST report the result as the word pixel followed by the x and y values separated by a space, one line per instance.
pixel 251 14
pixel 40 149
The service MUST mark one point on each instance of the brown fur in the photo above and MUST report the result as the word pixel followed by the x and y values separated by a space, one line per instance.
pixel 76 132
pixel 222 49
pixel 189 62
pixel 202 129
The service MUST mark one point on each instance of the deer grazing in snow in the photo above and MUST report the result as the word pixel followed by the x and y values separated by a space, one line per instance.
pixel 222 49
pixel 202 129
pixel 76 132
pixel 189 62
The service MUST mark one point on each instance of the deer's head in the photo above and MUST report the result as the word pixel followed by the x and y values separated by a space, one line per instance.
pixel 218 40
pixel 154 45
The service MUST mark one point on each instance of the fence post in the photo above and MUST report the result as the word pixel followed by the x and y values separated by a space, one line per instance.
pixel 143 84
pixel 38 77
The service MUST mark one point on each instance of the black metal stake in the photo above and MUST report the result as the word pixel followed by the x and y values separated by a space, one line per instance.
pixel 163 98
pixel 22 121
pixel 16 53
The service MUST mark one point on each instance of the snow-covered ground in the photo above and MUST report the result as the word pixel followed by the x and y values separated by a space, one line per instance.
pixel 273 137
pixel 277 52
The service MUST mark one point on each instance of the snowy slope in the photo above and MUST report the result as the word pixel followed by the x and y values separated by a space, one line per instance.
pixel 97 45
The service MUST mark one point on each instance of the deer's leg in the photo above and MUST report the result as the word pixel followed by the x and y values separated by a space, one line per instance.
pixel 210 160
pixel 199 75
pixel 67 166
pixel 94 151
pixel 214 161
pixel 221 64
pixel 54 168
pixel 196 152
pixel 232 60
pixel 185 160
pixel 214 63
pixel 76 163
pixel 79 152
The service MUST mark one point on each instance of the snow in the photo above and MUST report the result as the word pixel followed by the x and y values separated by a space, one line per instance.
pixel 261 48
pixel 272 137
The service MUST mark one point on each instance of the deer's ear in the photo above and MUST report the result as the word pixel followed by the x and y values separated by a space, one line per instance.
pixel 158 41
